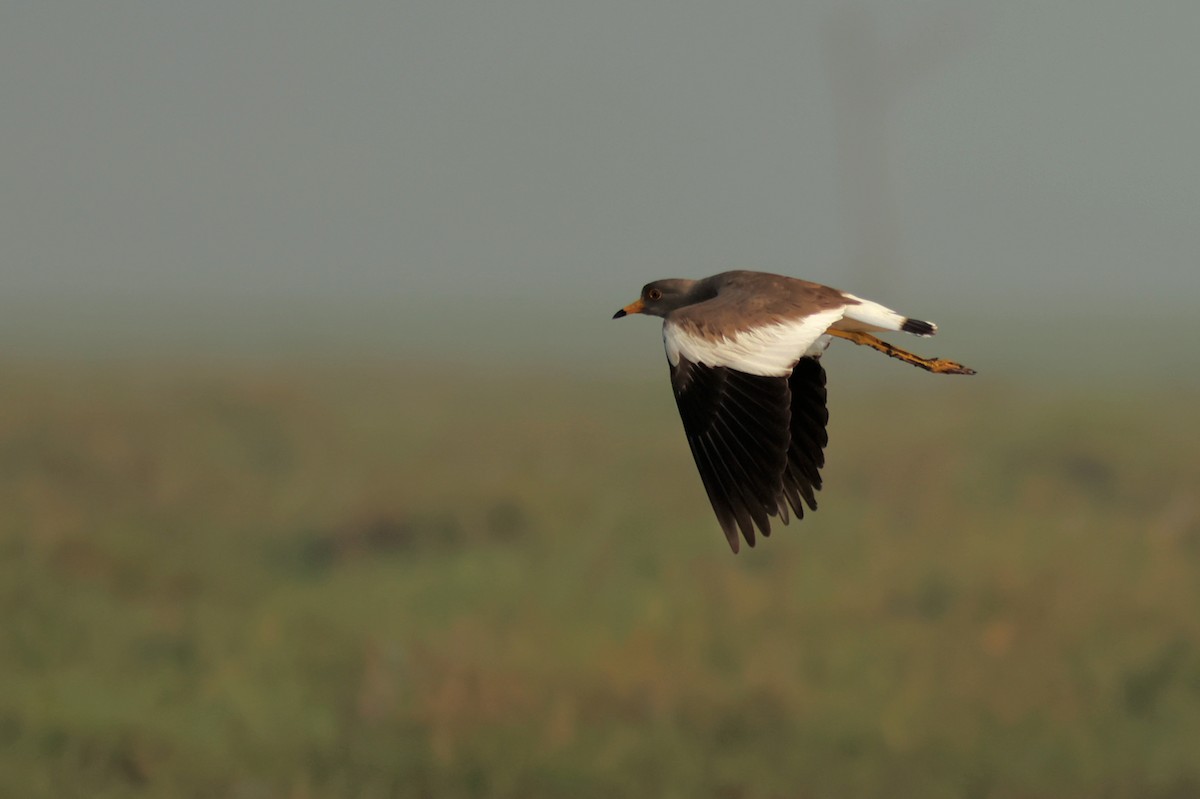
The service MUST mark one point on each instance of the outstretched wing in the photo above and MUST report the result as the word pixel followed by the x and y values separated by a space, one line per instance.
pixel 738 428
pixel 757 441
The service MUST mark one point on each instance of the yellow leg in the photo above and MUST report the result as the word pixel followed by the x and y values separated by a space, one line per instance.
pixel 939 365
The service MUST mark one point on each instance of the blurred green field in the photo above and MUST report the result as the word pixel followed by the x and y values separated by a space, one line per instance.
pixel 372 581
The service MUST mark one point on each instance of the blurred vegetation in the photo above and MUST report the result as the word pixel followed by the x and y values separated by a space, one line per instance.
pixel 370 582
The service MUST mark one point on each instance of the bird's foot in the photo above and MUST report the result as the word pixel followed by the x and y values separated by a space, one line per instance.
pixel 938 365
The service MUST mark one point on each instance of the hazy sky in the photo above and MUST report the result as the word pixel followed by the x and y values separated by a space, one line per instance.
pixel 358 161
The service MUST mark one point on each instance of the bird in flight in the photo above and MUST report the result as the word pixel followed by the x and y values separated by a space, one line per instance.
pixel 744 351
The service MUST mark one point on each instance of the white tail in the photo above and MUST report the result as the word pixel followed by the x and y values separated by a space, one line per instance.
pixel 867 316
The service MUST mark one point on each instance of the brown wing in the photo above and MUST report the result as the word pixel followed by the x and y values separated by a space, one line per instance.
pixel 735 301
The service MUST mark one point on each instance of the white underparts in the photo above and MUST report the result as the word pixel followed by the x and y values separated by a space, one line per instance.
pixel 769 350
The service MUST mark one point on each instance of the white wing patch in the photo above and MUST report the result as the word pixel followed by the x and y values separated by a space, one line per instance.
pixel 769 350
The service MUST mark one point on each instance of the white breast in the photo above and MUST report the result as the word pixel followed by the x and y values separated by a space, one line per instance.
pixel 769 350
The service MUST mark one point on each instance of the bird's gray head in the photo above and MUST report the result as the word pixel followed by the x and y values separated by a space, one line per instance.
pixel 660 298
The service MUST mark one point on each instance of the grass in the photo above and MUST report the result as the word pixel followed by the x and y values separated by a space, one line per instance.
pixel 369 581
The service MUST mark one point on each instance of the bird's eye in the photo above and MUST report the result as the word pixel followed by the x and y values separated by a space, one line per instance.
pixel 654 294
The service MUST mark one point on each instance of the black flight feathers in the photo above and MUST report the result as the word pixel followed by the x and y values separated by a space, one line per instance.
pixel 758 441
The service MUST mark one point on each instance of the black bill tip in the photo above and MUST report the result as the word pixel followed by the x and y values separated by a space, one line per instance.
pixel 619 314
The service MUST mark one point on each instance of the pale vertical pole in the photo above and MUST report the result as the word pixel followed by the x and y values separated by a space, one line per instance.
pixel 867 75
